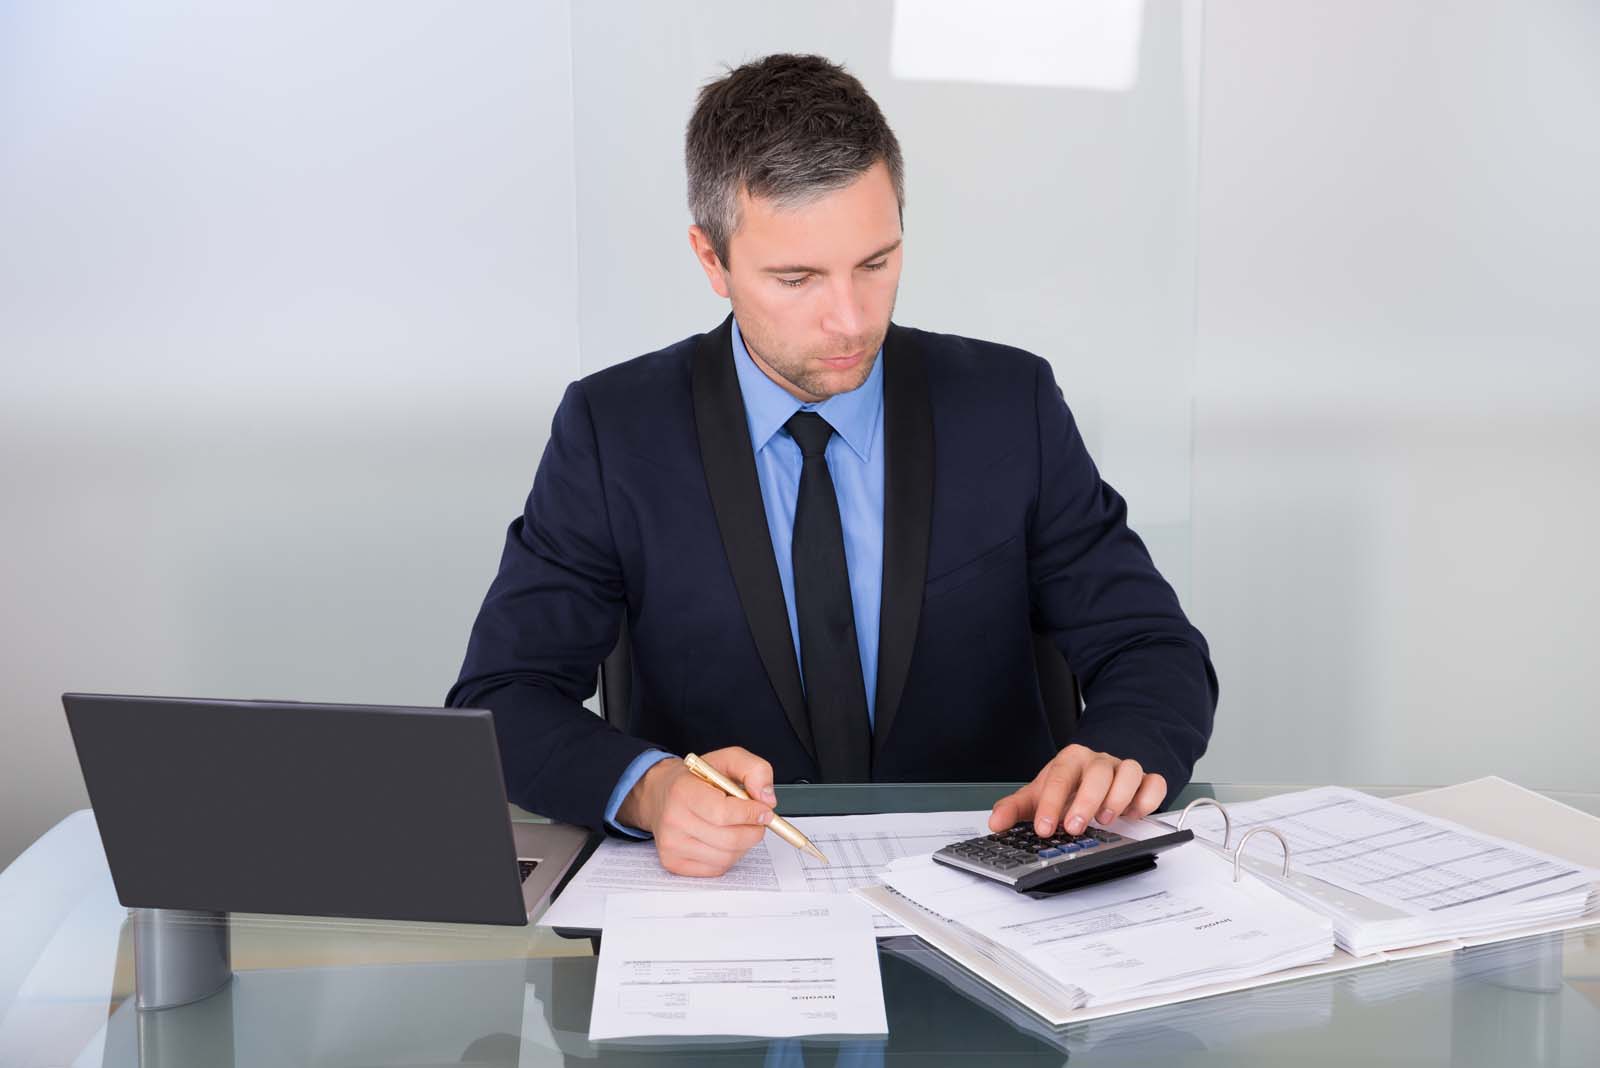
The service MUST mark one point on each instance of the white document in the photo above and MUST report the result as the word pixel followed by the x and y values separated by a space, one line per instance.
pixel 721 963
pixel 1393 876
pixel 858 846
pixel 1182 924
pixel 619 866
pixel 1492 805
pixel 1517 818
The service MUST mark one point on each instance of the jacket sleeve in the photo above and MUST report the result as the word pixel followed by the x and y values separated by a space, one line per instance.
pixel 551 616
pixel 1150 692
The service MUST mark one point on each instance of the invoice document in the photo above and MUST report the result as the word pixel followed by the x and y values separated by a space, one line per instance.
pixel 1183 923
pixel 727 963
pixel 1392 876
pixel 857 847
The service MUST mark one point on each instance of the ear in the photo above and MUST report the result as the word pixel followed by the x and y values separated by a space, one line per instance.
pixel 709 262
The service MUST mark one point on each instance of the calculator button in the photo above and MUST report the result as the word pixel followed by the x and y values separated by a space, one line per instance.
pixel 1046 853
pixel 1088 844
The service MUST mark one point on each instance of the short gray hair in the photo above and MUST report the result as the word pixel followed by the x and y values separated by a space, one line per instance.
pixel 788 128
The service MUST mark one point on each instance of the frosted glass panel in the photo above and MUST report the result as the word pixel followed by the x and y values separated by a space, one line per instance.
pixel 287 296
pixel 1397 440
pixel 1056 219
pixel 288 293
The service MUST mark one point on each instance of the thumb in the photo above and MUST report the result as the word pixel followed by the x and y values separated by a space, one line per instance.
pixel 1012 808
pixel 748 770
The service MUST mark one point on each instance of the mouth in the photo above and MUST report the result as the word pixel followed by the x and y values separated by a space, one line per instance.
pixel 843 363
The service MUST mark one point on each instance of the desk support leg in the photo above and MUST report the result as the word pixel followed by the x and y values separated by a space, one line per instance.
pixel 179 956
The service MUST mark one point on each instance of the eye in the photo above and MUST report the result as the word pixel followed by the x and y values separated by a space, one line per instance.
pixel 880 265
pixel 794 283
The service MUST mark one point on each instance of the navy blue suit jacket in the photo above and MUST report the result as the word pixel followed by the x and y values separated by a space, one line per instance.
pixel 996 526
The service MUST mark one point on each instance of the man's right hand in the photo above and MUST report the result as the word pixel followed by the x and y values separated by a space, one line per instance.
pixel 700 830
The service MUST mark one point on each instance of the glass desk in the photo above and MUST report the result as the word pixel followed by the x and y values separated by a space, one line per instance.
pixel 342 992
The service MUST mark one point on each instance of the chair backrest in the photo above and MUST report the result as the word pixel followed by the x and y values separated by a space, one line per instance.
pixel 616 681
pixel 1057 686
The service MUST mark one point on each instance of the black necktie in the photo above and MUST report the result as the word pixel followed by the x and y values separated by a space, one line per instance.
pixel 829 658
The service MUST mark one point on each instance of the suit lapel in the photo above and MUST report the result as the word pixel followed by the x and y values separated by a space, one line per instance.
pixel 730 467
pixel 907 515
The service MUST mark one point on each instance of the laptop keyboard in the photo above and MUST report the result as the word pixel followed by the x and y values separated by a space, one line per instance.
pixel 527 867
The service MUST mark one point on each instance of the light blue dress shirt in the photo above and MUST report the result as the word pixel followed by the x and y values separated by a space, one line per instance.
pixel 855 463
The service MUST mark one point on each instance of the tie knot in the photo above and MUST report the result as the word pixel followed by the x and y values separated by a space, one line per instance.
pixel 810 431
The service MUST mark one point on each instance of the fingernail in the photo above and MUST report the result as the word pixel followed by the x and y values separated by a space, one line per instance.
pixel 769 795
pixel 1075 825
pixel 1106 815
pixel 1046 825
pixel 766 815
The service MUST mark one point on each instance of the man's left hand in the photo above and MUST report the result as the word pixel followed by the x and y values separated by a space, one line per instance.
pixel 1098 786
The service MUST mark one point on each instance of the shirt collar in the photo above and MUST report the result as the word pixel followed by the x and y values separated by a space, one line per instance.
pixel 767 405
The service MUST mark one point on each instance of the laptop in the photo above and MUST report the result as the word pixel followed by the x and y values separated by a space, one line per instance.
pixel 366 811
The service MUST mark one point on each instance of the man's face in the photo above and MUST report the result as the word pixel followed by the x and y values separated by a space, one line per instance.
pixel 813 286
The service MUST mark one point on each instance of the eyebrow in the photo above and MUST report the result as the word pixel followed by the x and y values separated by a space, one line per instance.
pixel 799 269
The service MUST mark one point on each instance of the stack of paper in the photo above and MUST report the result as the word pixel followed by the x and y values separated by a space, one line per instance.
pixel 857 847
pixel 729 963
pixel 1390 876
pixel 1284 1007
pixel 1182 925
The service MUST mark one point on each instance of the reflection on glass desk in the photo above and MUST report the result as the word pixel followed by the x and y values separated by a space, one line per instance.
pixel 345 992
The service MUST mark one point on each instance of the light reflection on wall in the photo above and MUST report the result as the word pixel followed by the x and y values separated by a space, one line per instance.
pixel 1019 42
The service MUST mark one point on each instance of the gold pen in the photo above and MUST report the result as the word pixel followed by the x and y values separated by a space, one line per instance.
pixel 779 826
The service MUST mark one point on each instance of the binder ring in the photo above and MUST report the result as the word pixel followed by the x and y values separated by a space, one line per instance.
pixel 1239 853
pixel 1227 825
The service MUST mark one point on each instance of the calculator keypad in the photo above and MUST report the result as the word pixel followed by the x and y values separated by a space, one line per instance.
pixel 1010 850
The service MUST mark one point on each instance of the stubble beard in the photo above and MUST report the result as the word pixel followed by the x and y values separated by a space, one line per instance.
pixel 810 380
pixel 818 383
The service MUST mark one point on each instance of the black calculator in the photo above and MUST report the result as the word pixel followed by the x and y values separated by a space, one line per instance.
pixel 1030 864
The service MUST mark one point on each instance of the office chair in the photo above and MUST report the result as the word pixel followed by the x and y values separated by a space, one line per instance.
pixel 1057 686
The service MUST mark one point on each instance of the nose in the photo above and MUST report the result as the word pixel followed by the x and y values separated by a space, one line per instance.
pixel 843 315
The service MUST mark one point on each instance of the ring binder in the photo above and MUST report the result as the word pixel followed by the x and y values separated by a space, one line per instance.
pixel 1365 930
pixel 1239 853
pixel 1227 825
pixel 1227 833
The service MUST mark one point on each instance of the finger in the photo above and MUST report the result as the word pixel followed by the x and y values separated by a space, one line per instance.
pixel 1124 784
pixel 1091 794
pixel 757 779
pixel 685 856
pixel 680 866
pixel 709 842
pixel 714 806
pixel 1012 808
pixel 1060 778
pixel 746 769
pixel 737 838
pixel 730 824
pixel 1151 793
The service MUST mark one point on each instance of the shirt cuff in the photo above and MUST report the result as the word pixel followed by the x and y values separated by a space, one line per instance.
pixel 630 778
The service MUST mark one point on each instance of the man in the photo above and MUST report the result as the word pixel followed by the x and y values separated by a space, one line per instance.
pixel 832 538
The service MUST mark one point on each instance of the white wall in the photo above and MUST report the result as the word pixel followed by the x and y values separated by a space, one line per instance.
pixel 287 297
pixel 288 292
pixel 1397 415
